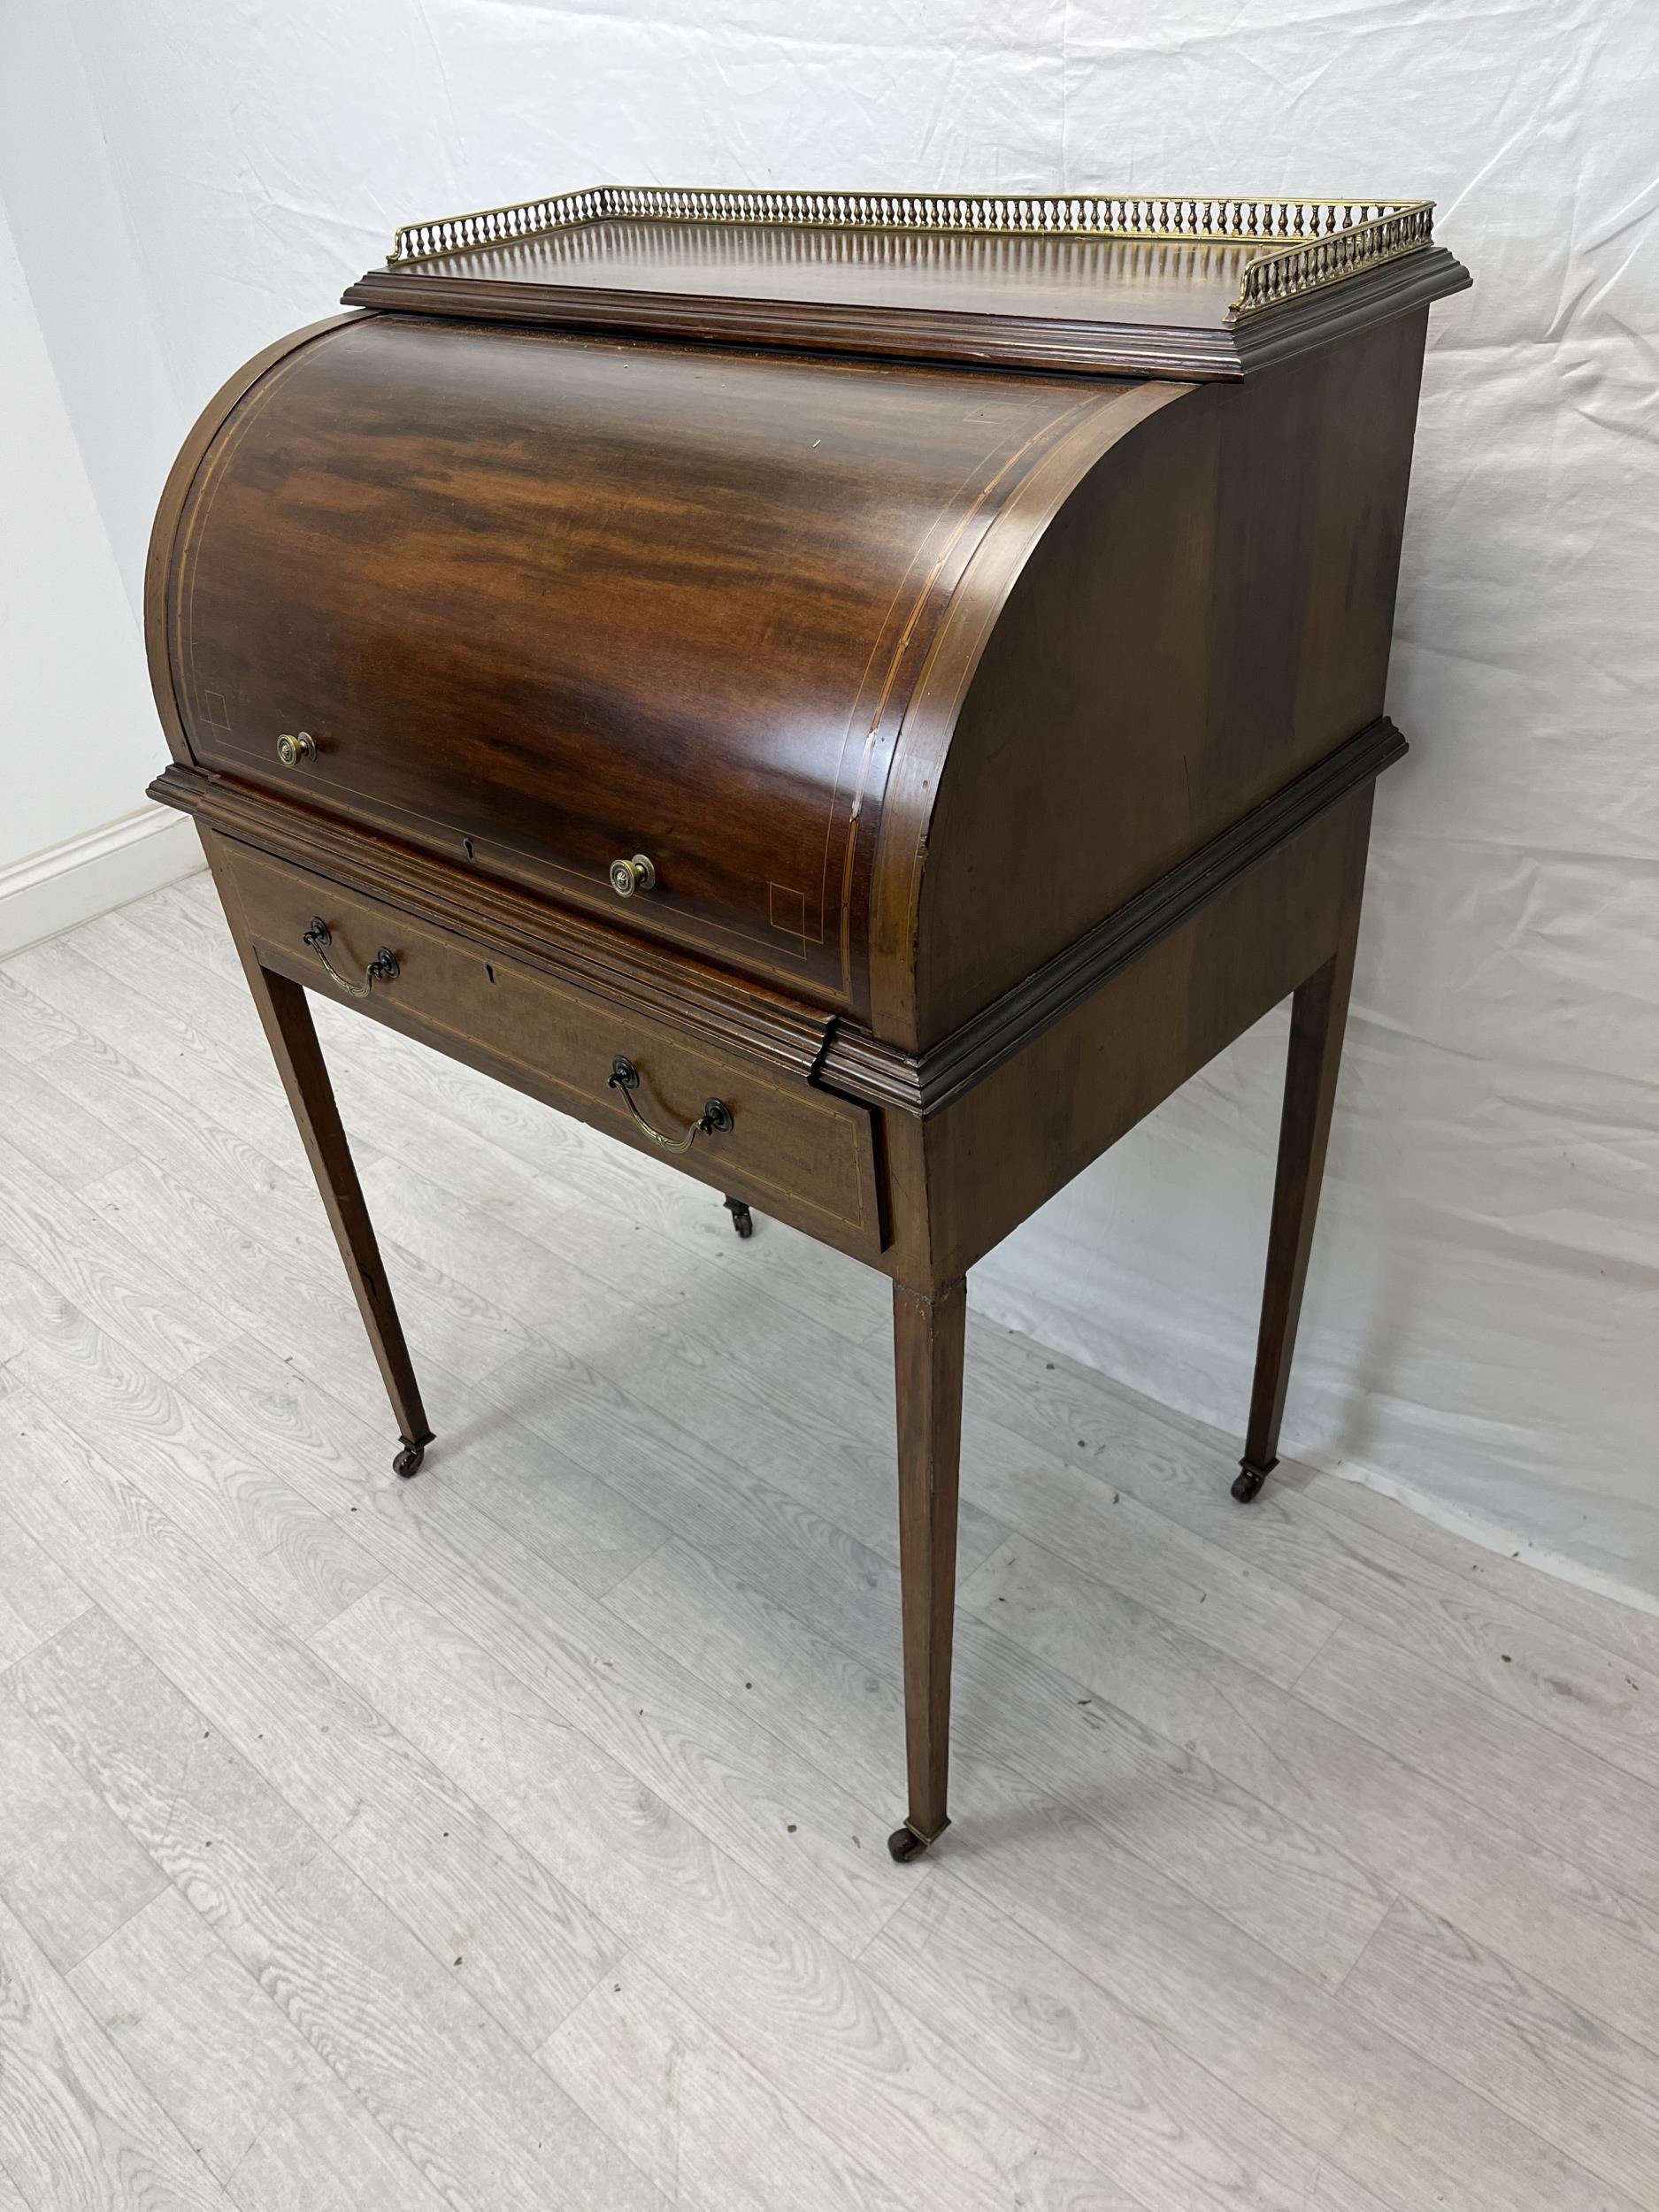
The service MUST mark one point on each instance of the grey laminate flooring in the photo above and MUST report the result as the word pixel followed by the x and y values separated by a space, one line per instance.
pixel 513 1838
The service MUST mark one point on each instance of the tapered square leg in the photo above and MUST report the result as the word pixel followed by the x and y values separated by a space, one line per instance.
pixel 292 1036
pixel 1319 1018
pixel 928 1330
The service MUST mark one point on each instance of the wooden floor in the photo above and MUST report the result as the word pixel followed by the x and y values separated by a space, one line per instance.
pixel 513 1838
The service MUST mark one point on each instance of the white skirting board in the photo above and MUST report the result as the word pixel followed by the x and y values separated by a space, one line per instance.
pixel 1481 1528
pixel 87 875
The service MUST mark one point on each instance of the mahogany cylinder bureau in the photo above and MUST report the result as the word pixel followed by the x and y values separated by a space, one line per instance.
pixel 860 696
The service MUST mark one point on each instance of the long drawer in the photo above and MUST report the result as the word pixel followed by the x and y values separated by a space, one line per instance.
pixel 800 1154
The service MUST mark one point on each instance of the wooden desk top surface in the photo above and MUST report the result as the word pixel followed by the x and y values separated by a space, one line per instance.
pixel 1148 284
pixel 1058 278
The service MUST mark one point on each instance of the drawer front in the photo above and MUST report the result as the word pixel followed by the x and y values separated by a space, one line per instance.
pixel 803 1156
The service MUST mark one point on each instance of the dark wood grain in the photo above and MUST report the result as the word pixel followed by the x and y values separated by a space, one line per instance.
pixel 292 1036
pixel 896 724
pixel 1318 1016
pixel 1000 1150
pixel 1081 305
pixel 1002 743
pixel 928 1337
pixel 584 600
pixel 629 971
pixel 923 1083
pixel 160 569
pixel 800 1153
pixel 1205 617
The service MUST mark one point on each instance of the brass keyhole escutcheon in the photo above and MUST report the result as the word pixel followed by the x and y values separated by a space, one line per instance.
pixel 629 876
pixel 295 751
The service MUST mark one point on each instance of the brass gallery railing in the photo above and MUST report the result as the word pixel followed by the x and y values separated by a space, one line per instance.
pixel 1300 244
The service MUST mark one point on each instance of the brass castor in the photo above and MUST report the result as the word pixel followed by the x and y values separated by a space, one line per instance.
pixel 1249 1480
pixel 904 1843
pixel 743 1220
pixel 409 1458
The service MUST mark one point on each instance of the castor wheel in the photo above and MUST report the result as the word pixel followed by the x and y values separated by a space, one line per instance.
pixel 409 1458
pixel 904 1843
pixel 1249 1480
pixel 743 1220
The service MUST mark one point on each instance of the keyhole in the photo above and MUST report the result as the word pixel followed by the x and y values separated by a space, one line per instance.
pixel 489 971
pixel 468 843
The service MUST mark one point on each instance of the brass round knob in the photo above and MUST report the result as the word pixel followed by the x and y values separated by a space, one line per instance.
pixel 629 876
pixel 293 751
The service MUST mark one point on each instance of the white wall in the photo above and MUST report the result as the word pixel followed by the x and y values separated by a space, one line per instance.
pixel 77 729
pixel 1485 1308
pixel 70 229
pixel 87 427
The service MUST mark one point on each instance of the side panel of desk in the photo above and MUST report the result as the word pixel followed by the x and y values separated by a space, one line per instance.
pixel 982 1165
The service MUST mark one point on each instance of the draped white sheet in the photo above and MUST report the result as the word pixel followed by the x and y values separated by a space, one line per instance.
pixel 1483 1324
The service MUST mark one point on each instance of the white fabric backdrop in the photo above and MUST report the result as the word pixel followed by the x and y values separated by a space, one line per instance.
pixel 185 181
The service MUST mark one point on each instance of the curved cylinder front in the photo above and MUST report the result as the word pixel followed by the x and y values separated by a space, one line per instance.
pixel 543 602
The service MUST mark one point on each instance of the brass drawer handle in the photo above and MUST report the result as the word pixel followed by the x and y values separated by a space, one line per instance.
pixel 295 751
pixel 717 1118
pixel 629 876
pixel 382 968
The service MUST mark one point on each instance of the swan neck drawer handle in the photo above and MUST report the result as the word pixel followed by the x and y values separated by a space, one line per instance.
pixel 381 969
pixel 715 1118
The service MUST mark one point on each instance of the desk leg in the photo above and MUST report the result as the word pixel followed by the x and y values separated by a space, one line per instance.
pixel 292 1036
pixel 1318 1016
pixel 927 1338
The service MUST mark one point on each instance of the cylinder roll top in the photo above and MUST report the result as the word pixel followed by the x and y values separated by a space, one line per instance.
pixel 550 603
